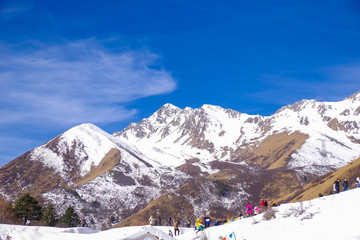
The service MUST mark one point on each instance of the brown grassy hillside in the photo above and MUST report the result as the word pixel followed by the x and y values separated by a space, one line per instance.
pixel 323 185
pixel 23 175
pixel 111 159
pixel 274 151
pixel 169 204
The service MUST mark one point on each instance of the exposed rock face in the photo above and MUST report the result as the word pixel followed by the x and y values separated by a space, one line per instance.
pixel 206 158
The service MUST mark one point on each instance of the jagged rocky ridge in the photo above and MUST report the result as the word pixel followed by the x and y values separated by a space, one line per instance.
pixel 208 157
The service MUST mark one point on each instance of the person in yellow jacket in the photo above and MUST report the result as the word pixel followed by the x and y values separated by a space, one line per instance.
pixel 176 227
pixel 199 225
pixel 198 222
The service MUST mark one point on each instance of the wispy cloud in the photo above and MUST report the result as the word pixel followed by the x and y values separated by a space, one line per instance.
pixel 75 82
pixel 13 10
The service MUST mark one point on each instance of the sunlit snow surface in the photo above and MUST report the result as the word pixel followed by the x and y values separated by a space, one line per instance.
pixel 329 217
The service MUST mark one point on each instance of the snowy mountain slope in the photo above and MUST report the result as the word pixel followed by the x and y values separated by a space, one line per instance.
pixel 91 170
pixel 213 133
pixel 175 149
pixel 323 218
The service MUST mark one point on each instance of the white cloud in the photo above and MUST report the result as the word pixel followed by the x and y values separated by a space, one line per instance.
pixel 75 82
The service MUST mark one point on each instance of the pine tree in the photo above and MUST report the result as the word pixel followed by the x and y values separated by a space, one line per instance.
pixel 50 217
pixel 70 218
pixel 29 207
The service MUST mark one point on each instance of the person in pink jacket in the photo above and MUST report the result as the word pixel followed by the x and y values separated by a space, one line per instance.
pixel 249 209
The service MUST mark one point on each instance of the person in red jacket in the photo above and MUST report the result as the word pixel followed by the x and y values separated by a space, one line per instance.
pixel 262 205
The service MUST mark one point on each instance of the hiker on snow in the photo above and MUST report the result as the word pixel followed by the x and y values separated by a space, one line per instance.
pixel 188 223
pixel 262 205
pixel 337 186
pixel 169 221
pixel 266 205
pixel 200 227
pixel 256 210
pixel 249 209
pixel 207 222
pixel 357 182
pixel 345 184
pixel 176 227
pixel 151 220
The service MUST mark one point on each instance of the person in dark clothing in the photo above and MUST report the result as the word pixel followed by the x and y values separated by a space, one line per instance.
pixel 188 223
pixel 337 185
pixel 266 205
pixel 159 221
pixel 207 222
pixel 345 184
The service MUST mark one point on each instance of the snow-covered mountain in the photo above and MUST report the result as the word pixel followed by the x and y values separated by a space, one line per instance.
pixel 91 170
pixel 208 157
pixel 331 130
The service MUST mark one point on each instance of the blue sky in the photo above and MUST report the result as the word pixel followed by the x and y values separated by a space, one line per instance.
pixel 115 62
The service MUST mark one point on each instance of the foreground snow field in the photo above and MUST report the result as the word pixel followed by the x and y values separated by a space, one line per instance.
pixel 329 217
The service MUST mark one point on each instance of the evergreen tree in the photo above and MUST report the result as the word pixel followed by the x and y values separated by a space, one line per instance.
pixel 29 207
pixel 50 217
pixel 70 218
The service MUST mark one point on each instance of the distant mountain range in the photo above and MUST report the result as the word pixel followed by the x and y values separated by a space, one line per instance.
pixel 187 162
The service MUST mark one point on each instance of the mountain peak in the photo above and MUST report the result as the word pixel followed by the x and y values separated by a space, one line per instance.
pixel 211 107
pixel 169 106
pixel 354 97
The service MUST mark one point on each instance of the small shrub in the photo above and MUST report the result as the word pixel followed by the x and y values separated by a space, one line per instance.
pixel 223 189
pixel 72 192
pixel 95 204
pixel 86 211
pixel 295 211
pixel 270 214
pixel 300 212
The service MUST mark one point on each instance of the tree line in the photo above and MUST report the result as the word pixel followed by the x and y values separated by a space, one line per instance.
pixel 27 207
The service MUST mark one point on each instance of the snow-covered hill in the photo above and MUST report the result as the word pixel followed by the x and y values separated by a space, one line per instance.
pixel 89 169
pixel 105 175
pixel 331 217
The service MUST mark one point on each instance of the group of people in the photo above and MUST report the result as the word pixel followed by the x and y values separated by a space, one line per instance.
pixel 250 211
pixel 345 184
pixel 202 223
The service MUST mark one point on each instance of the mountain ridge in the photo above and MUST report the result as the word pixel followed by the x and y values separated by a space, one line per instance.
pixel 175 147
